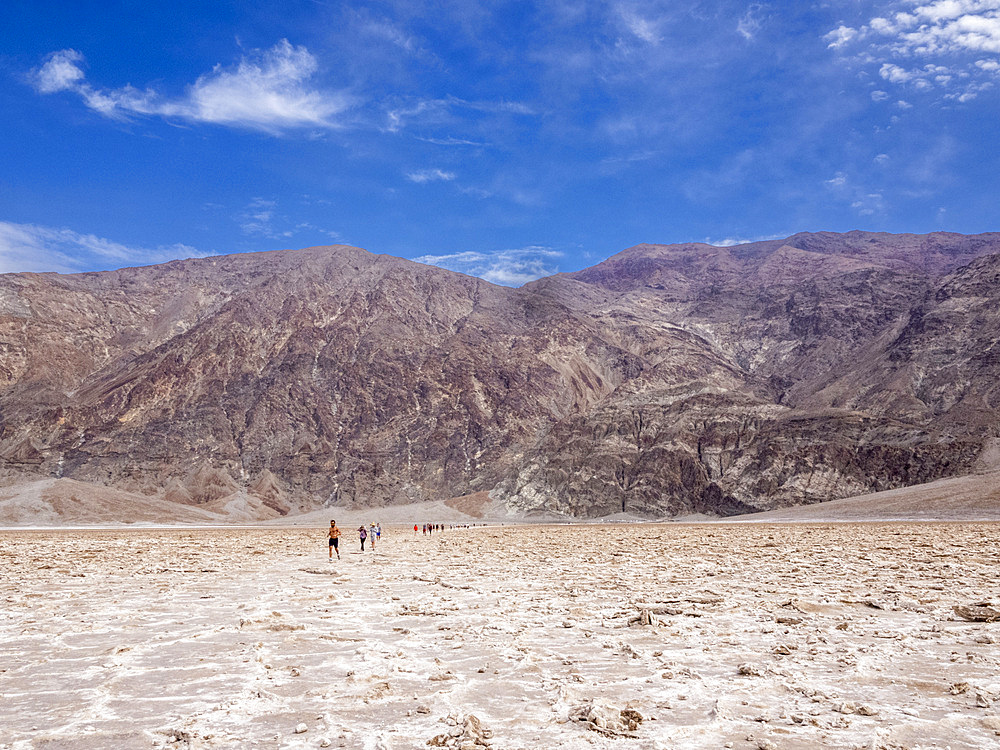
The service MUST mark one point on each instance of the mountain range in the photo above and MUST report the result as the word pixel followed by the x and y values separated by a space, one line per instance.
pixel 666 380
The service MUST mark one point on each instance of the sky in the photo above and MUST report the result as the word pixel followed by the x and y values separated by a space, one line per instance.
pixel 507 140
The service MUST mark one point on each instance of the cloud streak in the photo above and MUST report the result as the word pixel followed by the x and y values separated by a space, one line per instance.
pixel 505 267
pixel 29 247
pixel 267 90
pixel 430 175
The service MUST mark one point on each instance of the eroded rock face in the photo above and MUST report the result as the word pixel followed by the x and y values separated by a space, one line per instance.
pixel 668 379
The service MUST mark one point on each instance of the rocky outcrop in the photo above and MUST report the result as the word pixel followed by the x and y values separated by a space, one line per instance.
pixel 668 379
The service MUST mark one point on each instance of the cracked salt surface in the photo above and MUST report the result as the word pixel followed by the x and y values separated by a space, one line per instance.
pixel 740 636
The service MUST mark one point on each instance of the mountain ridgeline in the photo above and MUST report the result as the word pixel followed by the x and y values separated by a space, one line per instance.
pixel 666 380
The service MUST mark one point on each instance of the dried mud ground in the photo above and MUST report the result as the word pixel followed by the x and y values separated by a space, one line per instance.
pixel 798 636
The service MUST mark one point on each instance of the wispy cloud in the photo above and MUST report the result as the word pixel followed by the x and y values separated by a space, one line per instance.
pixel 386 30
pixel 750 24
pixel 497 106
pixel 430 175
pixel 262 218
pixel 401 114
pixel 733 241
pixel 258 218
pixel 863 200
pixel 643 28
pixel 267 90
pixel 505 267
pixel 29 247
pixel 451 141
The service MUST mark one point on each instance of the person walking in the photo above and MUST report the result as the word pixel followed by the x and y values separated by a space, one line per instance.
pixel 372 536
pixel 362 535
pixel 334 536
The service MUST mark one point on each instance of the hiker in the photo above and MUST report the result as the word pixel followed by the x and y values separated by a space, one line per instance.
pixel 414 529
pixel 372 536
pixel 378 531
pixel 334 536
pixel 362 534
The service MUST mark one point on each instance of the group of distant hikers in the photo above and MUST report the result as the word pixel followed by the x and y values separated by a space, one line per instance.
pixel 372 533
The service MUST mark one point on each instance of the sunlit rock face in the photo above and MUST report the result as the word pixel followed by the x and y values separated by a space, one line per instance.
pixel 666 380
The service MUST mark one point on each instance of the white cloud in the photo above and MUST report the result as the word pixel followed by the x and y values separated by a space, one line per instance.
pixel 838 180
pixel 920 77
pixel 840 36
pixel 430 175
pixel 504 267
pixel 948 26
pixel 29 247
pixel 879 96
pixel 946 36
pixel 60 72
pixel 267 91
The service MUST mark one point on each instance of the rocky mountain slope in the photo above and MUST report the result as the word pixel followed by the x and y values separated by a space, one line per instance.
pixel 667 379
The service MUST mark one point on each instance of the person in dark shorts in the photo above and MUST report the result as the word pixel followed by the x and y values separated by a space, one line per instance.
pixel 334 536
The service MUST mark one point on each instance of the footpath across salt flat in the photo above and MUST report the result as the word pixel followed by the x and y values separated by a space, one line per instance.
pixel 596 636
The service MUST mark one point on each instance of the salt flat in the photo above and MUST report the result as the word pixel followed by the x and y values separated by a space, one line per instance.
pixel 743 636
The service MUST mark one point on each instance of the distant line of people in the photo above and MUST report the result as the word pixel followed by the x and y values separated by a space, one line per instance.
pixel 373 533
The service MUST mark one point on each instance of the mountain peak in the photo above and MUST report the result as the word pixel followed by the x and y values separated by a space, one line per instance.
pixel 666 379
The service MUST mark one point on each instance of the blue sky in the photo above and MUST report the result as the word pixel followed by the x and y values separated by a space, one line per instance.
pixel 508 140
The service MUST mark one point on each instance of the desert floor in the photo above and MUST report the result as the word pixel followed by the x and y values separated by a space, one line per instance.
pixel 755 636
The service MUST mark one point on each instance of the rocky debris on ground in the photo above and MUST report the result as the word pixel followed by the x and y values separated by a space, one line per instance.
pixel 466 733
pixel 644 618
pixel 850 707
pixel 607 719
pixel 977 613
